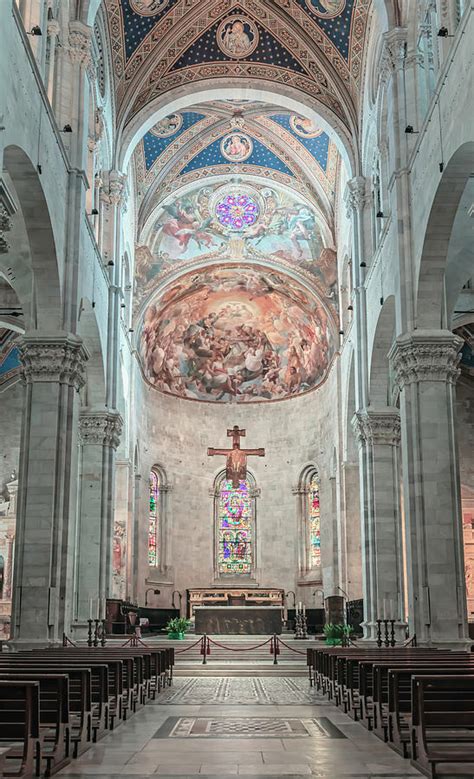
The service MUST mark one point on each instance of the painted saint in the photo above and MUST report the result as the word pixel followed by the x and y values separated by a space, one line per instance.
pixel 148 7
pixel 326 9
pixel 237 37
pixel 167 126
pixel 304 127
pixel 236 147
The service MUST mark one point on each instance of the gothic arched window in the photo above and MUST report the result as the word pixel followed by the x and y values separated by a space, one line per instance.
pixel 314 522
pixel 235 527
pixel 154 520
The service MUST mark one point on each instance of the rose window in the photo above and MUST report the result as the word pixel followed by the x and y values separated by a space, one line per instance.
pixel 237 211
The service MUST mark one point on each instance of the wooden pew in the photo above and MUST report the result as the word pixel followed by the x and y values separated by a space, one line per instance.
pixel 3 756
pixel 19 727
pixel 443 724
pixel 54 726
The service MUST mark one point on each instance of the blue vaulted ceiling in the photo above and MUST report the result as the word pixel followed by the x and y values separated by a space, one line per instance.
pixel 337 29
pixel 261 156
pixel 318 147
pixel 153 146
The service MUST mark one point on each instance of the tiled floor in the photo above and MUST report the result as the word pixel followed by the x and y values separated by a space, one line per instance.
pixel 254 740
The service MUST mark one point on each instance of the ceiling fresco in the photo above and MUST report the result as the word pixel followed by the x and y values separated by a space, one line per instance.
pixel 312 45
pixel 10 365
pixel 236 220
pixel 236 333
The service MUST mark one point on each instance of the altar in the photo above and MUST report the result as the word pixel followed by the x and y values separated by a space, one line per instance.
pixel 238 620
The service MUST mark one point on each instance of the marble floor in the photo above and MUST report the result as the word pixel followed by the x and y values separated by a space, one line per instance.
pixel 216 728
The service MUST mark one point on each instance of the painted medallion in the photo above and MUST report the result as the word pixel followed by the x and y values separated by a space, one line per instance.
pixel 167 126
pixel 148 7
pixel 236 147
pixel 237 36
pixel 304 127
pixel 326 9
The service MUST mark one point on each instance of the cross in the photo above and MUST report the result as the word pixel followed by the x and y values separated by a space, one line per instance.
pixel 236 465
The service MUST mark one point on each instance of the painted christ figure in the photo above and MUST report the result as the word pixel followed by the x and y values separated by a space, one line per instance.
pixel 236 462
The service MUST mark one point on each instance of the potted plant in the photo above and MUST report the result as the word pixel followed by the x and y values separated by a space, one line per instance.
pixel 335 634
pixel 177 627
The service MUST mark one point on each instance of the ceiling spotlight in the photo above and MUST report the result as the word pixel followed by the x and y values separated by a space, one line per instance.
pixel 443 32
pixel 36 30
pixel 379 215
pixel 39 169
pixel 131 330
pixel 441 167
pixel 410 131
pixel 363 264
pixel 110 264
pixel 123 305
pixel 381 301
pixel 341 332
pixel 350 308
pixel 66 129
pixel 94 212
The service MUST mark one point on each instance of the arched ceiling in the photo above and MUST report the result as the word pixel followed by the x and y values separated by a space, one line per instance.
pixel 234 116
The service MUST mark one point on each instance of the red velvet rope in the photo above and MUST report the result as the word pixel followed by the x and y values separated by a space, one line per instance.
pixel 239 649
pixel 180 651
pixel 298 651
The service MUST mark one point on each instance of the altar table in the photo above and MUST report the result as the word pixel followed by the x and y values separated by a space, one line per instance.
pixel 238 620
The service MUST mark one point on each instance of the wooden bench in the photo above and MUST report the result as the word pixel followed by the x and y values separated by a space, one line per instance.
pixel 443 724
pixel 19 727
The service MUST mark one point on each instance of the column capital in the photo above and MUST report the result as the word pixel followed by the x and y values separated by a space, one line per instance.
pixel 80 43
pixel 53 358
pixel 377 426
pixel 100 427
pixel 355 195
pixel 426 355
pixel 114 189
pixel 393 52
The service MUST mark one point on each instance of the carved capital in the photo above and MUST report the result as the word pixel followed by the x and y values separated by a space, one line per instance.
pixel 7 209
pixel 393 52
pixel 377 427
pixel 80 44
pixel 114 191
pixel 100 428
pixel 355 195
pixel 53 358
pixel 425 355
pixel 54 28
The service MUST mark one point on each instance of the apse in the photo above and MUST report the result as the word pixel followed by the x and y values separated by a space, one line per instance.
pixel 236 332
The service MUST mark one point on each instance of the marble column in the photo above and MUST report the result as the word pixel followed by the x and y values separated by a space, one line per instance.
pixel 425 367
pixel 99 434
pixel 378 435
pixel 53 369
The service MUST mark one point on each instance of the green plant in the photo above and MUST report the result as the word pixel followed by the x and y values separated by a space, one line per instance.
pixel 178 625
pixel 336 633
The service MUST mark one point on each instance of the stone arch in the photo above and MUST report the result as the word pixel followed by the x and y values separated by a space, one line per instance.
pixel 379 378
pixel 287 97
pixel 431 291
pixel 94 391
pixel 46 310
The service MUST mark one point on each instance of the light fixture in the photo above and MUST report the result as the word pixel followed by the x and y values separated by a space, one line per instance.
pixel 350 308
pixel 443 32
pixel 441 167
pixel 410 131
pixel 380 215
pixel 39 169
pixel 363 264
pixel 94 212
pixel 110 264
pixel 66 129
pixel 123 305
pixel 381 301
pixel 131 330
pixel 341 332
pixel 35 31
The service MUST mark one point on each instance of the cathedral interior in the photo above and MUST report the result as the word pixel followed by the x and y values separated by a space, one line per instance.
pixel 236 323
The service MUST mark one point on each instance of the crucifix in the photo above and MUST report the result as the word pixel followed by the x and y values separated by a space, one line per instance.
pixel 236 465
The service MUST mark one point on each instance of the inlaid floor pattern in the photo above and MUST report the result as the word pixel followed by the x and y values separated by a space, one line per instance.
pixel 257 727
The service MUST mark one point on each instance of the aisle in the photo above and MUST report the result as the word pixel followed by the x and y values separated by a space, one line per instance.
pixel 252 727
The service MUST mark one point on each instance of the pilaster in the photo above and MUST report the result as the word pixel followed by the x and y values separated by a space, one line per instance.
pixel 53 371
pixel 425 367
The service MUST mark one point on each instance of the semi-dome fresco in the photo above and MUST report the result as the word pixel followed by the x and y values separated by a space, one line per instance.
pixel 236 332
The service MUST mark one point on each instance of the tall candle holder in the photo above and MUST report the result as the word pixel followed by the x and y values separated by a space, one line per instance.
pixel 387 639
pixel 89 632
pixel 392 633
pixel 379 632
pixel 96 633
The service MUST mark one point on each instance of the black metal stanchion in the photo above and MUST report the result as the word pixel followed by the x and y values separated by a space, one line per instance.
pixel 276 649
pixel 204 649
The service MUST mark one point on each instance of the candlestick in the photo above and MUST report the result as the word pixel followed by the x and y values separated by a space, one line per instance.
pixel 299 605
pixel 98 608
pixel 304 609
pixel 90 608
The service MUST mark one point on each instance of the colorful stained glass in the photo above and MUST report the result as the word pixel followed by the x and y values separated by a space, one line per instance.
pixel 314 522
pixel 237 211
pixel 153 520
pixel 234 528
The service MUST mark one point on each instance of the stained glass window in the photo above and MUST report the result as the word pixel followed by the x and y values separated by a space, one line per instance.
pixel 234 528
pixel 153 519
pixel 237 211
pixel 314 520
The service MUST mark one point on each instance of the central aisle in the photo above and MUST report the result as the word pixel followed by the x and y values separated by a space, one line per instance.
pixel 240 726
